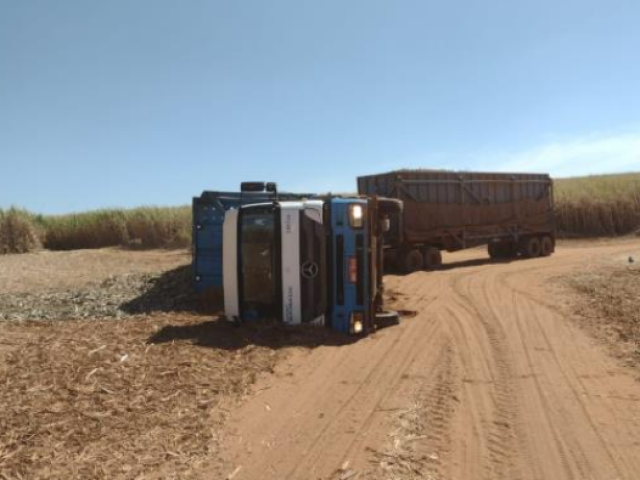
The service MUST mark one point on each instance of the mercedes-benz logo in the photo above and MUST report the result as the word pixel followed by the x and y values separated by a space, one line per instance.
pixel 309 269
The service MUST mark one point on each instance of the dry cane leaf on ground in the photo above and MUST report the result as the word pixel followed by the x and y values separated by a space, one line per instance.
pixel 115 297
pixel 95 399
pixel 609 304
pixel 131 388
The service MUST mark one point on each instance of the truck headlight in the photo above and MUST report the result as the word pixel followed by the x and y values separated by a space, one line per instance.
pixel 357 323
pixel 356 215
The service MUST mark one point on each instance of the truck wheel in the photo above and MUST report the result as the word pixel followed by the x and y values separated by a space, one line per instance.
pixel 546 246
pixel 532 247
pixel 432 258
pixel 411 261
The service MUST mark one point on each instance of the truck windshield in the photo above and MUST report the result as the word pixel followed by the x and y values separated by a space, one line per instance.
pixel 258 263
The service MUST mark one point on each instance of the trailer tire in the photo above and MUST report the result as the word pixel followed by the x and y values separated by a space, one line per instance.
pixel 496 251
pixel 532 247
pixel 502 250
pixel 546 246
pixel 411 261
pixel 432 258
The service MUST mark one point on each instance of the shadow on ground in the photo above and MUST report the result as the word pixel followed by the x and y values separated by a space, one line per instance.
pixel 476 262
pixel 221 334
pixel 172 291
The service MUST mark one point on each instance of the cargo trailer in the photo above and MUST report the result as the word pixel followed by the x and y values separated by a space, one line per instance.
pixel 511 213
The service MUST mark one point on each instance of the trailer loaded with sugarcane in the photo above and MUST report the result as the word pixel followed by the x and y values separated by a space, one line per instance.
pixel 443 210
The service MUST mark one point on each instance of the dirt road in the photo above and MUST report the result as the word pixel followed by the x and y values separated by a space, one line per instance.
pixel 491 380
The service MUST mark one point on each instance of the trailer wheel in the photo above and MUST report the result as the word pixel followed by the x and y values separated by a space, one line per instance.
pixel 502 250
pixel 495 251
pixel 546 246
pixel 411 261
pixel 432 258
pixel 532 247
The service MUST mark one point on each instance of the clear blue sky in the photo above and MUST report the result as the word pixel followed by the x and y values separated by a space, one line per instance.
pixel 123 102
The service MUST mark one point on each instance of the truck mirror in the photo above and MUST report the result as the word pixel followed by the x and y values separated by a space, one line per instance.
pixel 385 225
pixel 252 186
pixel 271 187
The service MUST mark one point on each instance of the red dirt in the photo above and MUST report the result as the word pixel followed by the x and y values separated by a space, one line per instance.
pixel 491 380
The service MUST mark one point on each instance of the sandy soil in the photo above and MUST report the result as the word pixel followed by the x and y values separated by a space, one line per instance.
pixel 493 379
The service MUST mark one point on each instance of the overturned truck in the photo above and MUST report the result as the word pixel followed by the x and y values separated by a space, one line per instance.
pixel 298 259
pixel 443 210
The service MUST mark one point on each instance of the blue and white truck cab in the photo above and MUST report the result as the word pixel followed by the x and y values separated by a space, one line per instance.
pixel 302 259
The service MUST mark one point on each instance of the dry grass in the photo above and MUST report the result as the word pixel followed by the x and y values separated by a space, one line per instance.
pixel 118 399
pixel 603 205
pixel 145 227
pixel 117 296
pixel 18 232
pixel 401 460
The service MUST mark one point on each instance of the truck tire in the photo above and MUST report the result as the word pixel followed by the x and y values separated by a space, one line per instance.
pixel 411 261
pixel 532 247
pixel 432 258
pixel 546 246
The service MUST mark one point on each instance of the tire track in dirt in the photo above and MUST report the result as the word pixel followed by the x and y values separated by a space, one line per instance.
pixel 377 378
pixel 348 401
pixel 562 435
pixel 497 414
pixel 577 463
pixel 559 446
pixel 418 443
pixel 440 405
pixel 380 375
